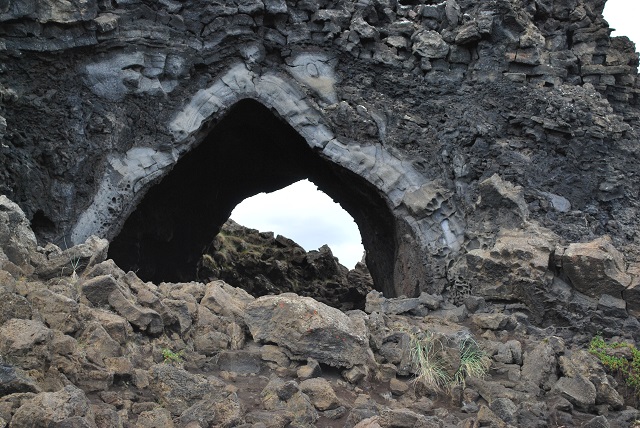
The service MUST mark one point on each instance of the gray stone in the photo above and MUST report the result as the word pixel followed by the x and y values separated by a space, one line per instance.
pixel 67 407
pixel 504 408
pixel 143 318
pixel 306 328
pixel 595 268
pixel 58 311
pixel 539 366
pixel 612 307
pixel 177 390
pixel 429 44
pixel 27 342
pixel 375 302
pixel 97 289
pixel 397 387
pixel 597 422
pixel 13 305
pixel 72 261
pixel 157 417
pixel 17 240
pixel 321 393
pixel 13 380
pixel 498 193
pixel 218 408
pixel 578 390
pixel 225 300
pixel 495 321
pixel 310 370
pixel 274 354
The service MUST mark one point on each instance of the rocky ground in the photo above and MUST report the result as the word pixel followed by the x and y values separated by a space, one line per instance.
pixel 262 263
pixel 84 344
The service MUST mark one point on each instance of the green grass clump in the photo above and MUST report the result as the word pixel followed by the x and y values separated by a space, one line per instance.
pixel 627 370
pixel 171 357
pixel 430 368
pixel 474 362
pixel 428 363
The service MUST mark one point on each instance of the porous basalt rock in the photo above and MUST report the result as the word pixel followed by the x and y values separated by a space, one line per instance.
pixel 72 356
pixel 401 111
pixel 262 263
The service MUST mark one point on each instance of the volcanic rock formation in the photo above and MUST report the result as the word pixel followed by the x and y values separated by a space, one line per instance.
pixel 85 344
pixel 261 264
pixel 472 142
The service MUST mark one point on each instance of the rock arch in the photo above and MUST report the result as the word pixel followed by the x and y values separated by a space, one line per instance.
pixel 382 192
pixel 484 126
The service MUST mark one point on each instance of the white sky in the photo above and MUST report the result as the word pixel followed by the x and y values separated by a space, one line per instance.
pixel 308 216
pixel 623 15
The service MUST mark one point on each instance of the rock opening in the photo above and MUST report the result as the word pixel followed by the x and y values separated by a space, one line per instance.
pixel 250 150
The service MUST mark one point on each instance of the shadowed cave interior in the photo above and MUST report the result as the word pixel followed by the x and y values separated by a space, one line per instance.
pixel 250 150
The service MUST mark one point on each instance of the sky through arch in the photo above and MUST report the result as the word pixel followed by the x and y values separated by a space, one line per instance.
pixel 308 216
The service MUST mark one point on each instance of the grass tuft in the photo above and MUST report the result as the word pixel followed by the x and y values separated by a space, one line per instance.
pixel 427 353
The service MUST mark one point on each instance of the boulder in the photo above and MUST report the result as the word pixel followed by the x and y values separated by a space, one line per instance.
pixel 13 305
pixel 68 407
pixel 58 311
pixel 98 344
pixel 225 300
pixel 143 318
pixel 157 417
pixel 220 408
pixel 504 408
pixel 306 328
pixel 595 268
pixel 578 390
pixel 515 268
pixel 98 288
pixel 504 196
pixel 73 261
pixel 17 240
pixel 429 44
pixel 14 380
pixel 177 389
pixel 27 342
pixel 597 422
pixel 286 396
pixel 376 302
pixel 486 418
pixel 582 363
pixel 539 367
pixel 322 395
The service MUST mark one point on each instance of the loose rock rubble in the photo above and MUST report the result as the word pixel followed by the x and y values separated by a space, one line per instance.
pixel 98 347
pixel 262 263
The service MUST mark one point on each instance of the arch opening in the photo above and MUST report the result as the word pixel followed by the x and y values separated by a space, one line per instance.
pixel 248 151
pixel 306 215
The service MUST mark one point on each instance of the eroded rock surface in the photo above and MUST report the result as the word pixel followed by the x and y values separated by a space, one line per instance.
pixel 262 263
pixel 194 354
pixel 438 126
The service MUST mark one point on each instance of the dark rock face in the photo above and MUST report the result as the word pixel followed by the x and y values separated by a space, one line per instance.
pixel 449 131
pixel 263 264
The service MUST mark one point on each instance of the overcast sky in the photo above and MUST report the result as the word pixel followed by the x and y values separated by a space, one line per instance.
pixel 309 217
pixel 624 15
